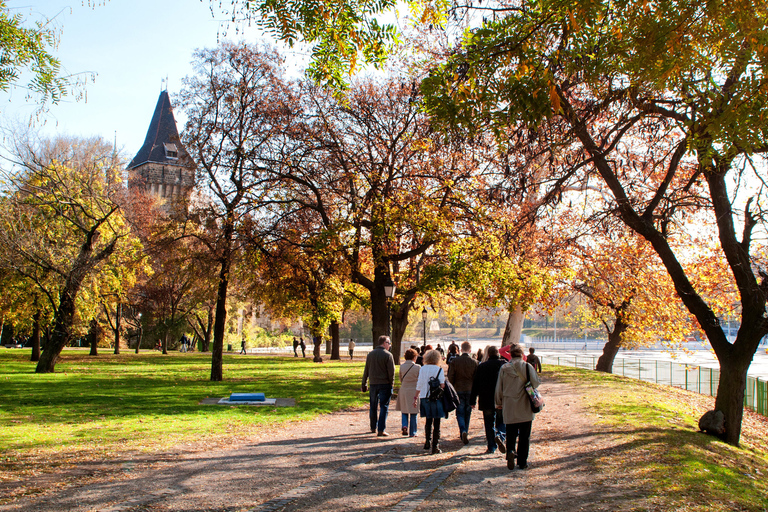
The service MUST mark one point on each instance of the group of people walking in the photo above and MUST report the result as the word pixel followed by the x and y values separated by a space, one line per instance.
pixel 495 385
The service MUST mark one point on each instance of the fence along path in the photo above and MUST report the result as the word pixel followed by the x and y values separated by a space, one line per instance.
pixel 687 376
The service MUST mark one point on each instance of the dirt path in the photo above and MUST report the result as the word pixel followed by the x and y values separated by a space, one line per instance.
pixel 334 464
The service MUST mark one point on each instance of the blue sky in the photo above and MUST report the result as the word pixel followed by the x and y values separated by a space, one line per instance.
pixel 131 46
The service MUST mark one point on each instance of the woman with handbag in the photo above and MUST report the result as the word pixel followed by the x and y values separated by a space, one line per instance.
pixel 512 397
pixel 430 387
pixel 409 376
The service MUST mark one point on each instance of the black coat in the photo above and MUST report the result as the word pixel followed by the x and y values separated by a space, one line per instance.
pixel 484 384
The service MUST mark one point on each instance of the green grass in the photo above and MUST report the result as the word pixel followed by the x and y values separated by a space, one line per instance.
pixel 100 406
pixel 658 445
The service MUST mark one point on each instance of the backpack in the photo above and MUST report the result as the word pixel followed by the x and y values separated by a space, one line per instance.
pixel 435 391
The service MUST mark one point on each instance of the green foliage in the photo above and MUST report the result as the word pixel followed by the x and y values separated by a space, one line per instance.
pixel 340 31
pixel 25 49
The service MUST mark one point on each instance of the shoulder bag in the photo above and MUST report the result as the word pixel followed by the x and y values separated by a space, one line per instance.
pixel 537 402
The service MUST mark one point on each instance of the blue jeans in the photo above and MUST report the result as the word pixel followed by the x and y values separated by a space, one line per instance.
pixel 412 429
pixel 494 426
pixel 379 396
pixel 464 411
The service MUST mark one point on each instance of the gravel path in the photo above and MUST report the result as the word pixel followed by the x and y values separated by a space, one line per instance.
pixel 334 464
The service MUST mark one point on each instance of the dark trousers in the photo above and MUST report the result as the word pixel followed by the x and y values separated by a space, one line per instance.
pixel 379 395
pixel 523 430
pixel 432 430
pixel 493 421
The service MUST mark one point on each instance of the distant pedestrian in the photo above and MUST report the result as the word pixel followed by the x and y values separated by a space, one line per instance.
pixel 479 355
pixel 351 347
pixel 441 350
pixel 242 345
pixel 461 373
pixel 303 347
pixel 420 357
pixel 513 400
pixel 295 346
pixel 453 353
pixel 483 389
pixel 534 360
pixel 380 371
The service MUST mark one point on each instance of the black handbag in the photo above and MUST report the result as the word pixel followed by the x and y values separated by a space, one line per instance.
pixel 450 398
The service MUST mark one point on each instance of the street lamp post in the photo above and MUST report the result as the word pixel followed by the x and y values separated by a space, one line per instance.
pixel 424 319
pixel 389 292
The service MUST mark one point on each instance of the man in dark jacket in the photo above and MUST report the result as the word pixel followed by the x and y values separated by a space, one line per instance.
pixel 461 373
pixel 380 370
pixel 483 388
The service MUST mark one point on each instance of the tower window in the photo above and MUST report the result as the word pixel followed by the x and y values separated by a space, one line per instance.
pixel 170 151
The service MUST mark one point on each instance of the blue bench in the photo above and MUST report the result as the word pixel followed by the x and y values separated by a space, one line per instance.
pixel 247 397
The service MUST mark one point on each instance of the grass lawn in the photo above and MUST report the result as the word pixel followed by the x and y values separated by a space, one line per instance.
pixel 97 407
pixel 658 446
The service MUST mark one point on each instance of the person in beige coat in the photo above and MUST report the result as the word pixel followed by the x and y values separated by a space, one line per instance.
pixel 512 398
pixel 409 376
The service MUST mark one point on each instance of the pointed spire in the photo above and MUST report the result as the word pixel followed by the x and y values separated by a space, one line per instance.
pixel 162 144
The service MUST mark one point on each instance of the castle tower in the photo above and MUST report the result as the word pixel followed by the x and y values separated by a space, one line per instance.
pixel 162 165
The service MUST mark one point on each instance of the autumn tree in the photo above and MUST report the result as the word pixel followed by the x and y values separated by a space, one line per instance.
pixel 63 229
pixel 382 193
pixel 656 103
pixel 237 105
pixel 629 292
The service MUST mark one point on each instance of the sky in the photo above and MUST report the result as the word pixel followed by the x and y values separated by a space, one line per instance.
pixel 131 46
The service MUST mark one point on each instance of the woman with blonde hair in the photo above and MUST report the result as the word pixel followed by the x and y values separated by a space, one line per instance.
pixel 409 376
pixel 430 407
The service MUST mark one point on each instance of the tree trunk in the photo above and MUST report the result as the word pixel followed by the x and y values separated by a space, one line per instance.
pixel 379 306
pixel 95 335
pixel 399 325
pixel 61 334
pixel 334 331
pixel 329 341
pixel 35 337
pixel 730 396
pixel 217 358
pixel 118 316
pixel 8 332
pixel 208 331
pixel 514 328
pixel 605 361
pixel 165 340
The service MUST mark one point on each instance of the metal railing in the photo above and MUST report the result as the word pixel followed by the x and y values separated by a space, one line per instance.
pixel 680 375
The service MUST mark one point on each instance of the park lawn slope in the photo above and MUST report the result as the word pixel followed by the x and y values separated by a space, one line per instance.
pixel 658 446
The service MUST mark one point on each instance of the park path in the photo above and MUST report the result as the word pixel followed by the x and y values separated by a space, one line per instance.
pixel 334 464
